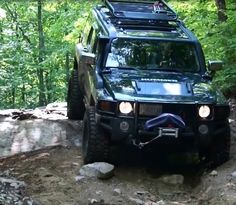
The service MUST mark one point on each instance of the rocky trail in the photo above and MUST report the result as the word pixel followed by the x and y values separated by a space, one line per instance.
pixel 41 163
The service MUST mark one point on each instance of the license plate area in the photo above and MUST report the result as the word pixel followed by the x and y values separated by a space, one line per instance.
pixel 146 109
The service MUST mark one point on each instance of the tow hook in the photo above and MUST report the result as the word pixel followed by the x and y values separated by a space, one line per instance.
pixel 163 132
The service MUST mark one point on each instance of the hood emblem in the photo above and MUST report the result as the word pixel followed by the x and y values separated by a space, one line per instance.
pixel 159 80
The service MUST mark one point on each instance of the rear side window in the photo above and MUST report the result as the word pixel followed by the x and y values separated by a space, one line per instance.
pixel 92 40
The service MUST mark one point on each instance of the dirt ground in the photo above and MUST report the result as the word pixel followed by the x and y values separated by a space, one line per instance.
pixel 52 177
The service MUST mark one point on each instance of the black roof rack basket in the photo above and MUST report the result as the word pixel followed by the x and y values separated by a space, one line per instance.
pixel 141 10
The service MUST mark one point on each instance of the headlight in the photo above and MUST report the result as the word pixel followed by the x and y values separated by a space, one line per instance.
pixel 204 111
pixel 125 107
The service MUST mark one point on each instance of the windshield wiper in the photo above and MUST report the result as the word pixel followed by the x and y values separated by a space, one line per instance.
pixel 109 69
pixel 170 70
pixel 128 68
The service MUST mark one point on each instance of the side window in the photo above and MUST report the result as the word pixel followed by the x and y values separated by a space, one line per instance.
pixel 85 34
pixel 92 40
pixel 90 34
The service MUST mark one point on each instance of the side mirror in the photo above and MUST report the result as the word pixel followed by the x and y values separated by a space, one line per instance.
pixel 214 66
pixel 88 58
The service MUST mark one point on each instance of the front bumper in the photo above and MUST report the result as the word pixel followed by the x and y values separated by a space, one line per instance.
pixel 135 130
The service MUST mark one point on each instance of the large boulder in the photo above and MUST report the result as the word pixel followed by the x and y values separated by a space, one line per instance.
pixel 101 170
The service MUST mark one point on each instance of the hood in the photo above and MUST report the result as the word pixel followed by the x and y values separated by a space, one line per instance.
pixel 159 86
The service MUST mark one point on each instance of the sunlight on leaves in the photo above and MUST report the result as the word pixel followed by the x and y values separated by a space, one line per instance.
pixel 2 13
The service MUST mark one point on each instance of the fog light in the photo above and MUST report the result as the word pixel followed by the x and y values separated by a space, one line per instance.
pixel 203 129
pixel 124 126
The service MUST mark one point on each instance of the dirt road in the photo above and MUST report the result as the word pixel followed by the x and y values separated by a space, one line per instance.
pixel 52 177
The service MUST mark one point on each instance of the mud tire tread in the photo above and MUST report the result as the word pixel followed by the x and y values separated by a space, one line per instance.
pixel 75 103
pixel 95 145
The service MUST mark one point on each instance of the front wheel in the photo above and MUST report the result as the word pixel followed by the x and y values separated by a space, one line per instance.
pixel 219 150
pixel 95 145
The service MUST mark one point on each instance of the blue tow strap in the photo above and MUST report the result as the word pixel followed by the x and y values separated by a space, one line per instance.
pixel 165 119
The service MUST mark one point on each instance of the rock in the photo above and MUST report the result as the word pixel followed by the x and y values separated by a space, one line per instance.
pixel 25 175
pixel 24 116
pixel 117 191
pixel 230 199
pixel 136 201
pixel 11 191
pixel 214 173
pixel 161 202
pixel 79 178
pixel 175 179
pixel 75 164
pixel 8 112
pixel 141 192
pixel 13 183
pixel 93 201
pixel 206 195
pixel 28 201
pixel 60 107
pixel 99 192
pixel 43 172
pixel 101 170
pixel 7 173
pixel 233 174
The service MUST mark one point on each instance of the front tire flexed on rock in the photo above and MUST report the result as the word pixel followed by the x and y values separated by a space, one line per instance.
pixel 219 150
pixel 95 145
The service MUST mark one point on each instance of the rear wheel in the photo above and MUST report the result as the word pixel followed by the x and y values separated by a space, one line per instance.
pixel 95 145
pixel 75 103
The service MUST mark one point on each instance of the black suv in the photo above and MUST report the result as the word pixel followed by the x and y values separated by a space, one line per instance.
pixel 140 78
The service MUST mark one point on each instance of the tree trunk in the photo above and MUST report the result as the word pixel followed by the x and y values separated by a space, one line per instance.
pixel 13 96
pixel 23 98
pixel 40 73
pixel 221 7
pixel 67 57
pixel 49 86
pixel 67 66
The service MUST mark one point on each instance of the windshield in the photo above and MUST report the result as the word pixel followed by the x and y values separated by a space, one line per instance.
pixel 152 54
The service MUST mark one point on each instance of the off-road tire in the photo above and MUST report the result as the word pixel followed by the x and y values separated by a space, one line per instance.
pixel 95 145
pixel 219 150
pixel 75 103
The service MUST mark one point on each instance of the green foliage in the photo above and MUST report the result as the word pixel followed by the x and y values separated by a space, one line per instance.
pixel 218 39
pixel 63 23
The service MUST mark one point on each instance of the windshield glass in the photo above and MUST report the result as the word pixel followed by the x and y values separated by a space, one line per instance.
pixel 152 54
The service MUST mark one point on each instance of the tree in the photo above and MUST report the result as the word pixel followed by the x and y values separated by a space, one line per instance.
pixel 221 7
pixel 41 55
pixel 37 41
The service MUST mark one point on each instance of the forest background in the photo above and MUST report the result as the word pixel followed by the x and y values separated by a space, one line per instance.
pixel 37 40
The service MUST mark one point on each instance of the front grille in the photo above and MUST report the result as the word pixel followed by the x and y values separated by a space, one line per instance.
pixel 187 112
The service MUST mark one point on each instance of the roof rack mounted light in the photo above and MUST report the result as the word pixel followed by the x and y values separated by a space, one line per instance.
pixel 138 9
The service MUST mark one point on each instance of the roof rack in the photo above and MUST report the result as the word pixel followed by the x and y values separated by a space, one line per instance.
pixel 141 10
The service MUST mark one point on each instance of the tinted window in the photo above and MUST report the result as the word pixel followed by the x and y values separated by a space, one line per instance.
pixel 92 40
pixel 153 54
